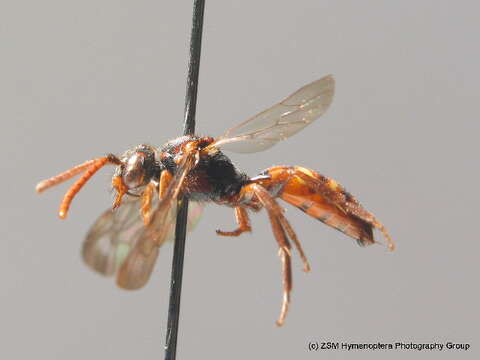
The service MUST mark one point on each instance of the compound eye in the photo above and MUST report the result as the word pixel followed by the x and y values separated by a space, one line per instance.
pixel 134 171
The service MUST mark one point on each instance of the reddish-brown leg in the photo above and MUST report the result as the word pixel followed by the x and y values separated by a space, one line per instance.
pixel 292 235
pixel 120 188
pixel 267 200
pixel 165 179
pixel 284 246
pixel 243 222
pixel 147 197
pixel 285 257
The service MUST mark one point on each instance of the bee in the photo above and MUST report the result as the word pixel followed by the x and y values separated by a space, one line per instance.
pixel 148 181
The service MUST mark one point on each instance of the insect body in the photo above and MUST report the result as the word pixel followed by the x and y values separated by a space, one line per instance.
pixel 148 181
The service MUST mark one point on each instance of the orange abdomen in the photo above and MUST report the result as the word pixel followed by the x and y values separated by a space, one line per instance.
pixel 323 199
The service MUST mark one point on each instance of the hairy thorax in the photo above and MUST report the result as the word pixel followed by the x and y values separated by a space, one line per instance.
pixel 213 178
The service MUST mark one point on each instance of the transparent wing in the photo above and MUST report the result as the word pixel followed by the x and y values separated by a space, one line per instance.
pixel 112 237
pixel 138 265
pixel 280 121
pixel 115 233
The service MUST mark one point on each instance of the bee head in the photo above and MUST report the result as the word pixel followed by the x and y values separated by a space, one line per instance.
pixel 138 167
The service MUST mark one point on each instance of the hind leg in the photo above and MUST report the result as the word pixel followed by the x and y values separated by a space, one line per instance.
pixel 243 222
pixel 274 214
pixel 273 207
pixel 282 231
pixel 285 258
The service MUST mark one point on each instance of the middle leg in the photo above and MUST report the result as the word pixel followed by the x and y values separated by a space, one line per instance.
pixel 243 222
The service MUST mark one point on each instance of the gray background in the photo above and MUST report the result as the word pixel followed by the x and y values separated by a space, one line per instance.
pixel 79 79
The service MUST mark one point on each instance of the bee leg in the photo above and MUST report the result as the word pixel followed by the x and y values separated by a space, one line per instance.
pixel 120 188
pixel 280 182
pixel 285 258
pixel 165 179
pixel 277 221
pixel 243 222
pixel 146 197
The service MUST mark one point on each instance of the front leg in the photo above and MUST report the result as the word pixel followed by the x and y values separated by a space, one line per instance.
pixel 147 195
pixel 243 222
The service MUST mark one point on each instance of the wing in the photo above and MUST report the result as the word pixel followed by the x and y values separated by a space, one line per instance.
pixel 280 121
pixel 112 237
pixel 138 265
pixel 115 233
